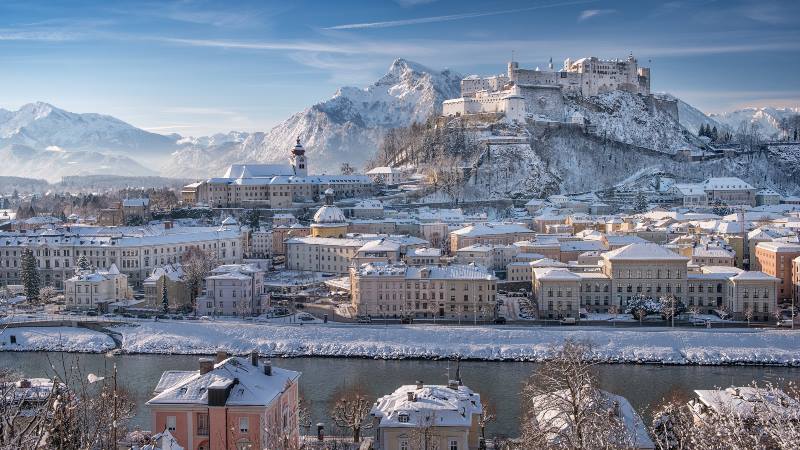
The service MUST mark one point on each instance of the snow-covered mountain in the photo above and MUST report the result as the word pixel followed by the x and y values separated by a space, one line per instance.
pixel 692 118
pixel 40 126
pixel 54 163
pixel 767 118
pixel 347 127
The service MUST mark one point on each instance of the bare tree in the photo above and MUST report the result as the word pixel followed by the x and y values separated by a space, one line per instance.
pixel 748 314
pixel 46 293
pixel 351 406
pixel 425 434
pixel 197 264
pixel 566 410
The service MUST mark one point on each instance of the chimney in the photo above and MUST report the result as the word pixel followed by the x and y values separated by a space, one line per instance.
pixel 420 384
pixel 268 368
pixel 410 395
pixel 24 383
pixel 254 358
pixel 452 384
pixel 222 355
pixel 206 365
pixel 167 224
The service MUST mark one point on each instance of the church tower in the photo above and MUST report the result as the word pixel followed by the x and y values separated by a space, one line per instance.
pixel 298 160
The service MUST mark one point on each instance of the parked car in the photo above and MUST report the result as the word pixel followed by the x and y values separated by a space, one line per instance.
pixel 698 322
pixel 204 318
pixel 406 320
pixel 500 320
pixel 190 317
pixel 91 313
pixel 784 323
pixel 305 317
pixel 568 321
pixel 363 319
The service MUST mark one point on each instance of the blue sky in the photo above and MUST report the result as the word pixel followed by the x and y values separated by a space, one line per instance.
pixel 198 67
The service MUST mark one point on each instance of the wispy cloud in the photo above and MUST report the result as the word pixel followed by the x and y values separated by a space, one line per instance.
pixel 451 17
pixel 199 110
pixel 589 13
pixel 38 35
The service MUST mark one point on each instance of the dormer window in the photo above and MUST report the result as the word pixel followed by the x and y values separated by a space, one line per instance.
pixel 402 418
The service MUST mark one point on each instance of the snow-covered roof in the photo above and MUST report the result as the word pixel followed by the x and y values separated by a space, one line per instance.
pixel 431 405
pixel 490 229
pixel 384 170
pixel 744 400
pixel 554 274
pixel 754 275
pixel 455 271
pixel 548 262
pixel 425 251
pixel 726 184
pixel 711 252
pixel 135 202
pixel 250 385
pixel 643 251
pixel 779 247
pixel 689 188
pixel 380 245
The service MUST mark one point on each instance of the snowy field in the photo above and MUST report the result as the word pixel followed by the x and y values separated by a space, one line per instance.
pixel 646 345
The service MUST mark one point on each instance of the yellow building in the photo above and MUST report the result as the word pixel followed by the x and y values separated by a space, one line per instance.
pixel 329 221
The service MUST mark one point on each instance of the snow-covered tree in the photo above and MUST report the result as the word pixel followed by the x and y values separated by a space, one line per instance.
pixel 720 208
pixel 30 275
pixel 83 263
pixel 760 417
pixel 640 204
pixel 46 293
pixel 564 409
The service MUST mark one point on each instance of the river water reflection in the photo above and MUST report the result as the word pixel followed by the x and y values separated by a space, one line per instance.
pixel 497 382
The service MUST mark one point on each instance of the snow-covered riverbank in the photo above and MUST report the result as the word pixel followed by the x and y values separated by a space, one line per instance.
pixel 646 345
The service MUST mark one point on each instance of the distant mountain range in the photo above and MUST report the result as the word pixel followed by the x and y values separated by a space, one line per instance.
pixel 42 141
pixel 347 127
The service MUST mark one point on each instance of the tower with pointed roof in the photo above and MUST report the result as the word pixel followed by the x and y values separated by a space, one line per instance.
pixel 298 160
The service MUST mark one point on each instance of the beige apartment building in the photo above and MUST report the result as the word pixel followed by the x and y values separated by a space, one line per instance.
pixel 796 279
pixel 556 290
pixel 489 234
pixel 429 292
pixel 775 259
pixel 648 269
pixel 451 413
pixel 729 190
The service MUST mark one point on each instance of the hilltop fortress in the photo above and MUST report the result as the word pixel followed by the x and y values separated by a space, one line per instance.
pixel 532 92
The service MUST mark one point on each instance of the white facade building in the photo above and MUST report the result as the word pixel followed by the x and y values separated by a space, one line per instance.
pixel 92 290
pixel 234 290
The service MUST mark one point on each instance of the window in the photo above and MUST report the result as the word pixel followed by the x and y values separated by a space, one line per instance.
pixel 244 424
pixel 404 445
pixel 402 418
pixel 453 445
pixel 171 423
pixel 202 424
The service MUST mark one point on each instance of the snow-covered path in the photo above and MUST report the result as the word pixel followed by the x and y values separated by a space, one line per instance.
pixel 645 345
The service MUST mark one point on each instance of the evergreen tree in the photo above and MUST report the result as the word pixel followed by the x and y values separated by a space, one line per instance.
pixel 721 208
pixel 30 275
pixel 714 134
pixel 253 219
pixel 640 204
pixel 164 298
pixel 702 131
pixel 83 263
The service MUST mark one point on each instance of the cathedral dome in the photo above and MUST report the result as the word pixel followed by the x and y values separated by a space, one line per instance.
pixel 329 214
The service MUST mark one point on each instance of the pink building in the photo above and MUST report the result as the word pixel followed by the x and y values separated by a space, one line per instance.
pixel 237 403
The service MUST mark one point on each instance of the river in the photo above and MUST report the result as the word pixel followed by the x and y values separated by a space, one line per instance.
pixel 497 382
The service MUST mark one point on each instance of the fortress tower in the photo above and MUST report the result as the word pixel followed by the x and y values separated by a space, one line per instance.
pixel 298 160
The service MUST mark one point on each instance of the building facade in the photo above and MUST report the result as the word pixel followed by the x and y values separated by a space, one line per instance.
pixel 235 403
pixel 428 292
